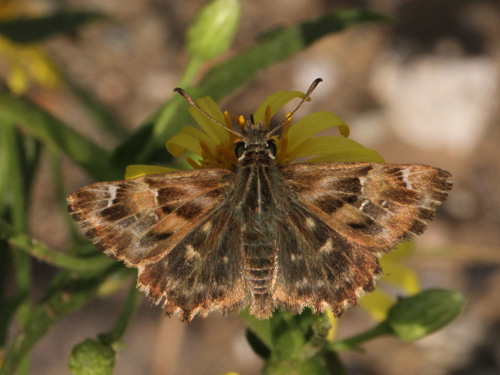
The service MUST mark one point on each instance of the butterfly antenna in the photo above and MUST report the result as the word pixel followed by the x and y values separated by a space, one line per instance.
pixel 190 100
pixel 311 88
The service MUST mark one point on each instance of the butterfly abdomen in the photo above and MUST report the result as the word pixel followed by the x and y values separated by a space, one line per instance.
pixel 259 255
pixel 257 208
pixel 259 267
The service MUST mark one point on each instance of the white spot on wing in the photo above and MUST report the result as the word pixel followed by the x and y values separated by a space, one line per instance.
pixel 112 193
pixel 191 252
pixel 310 223
pixel 206 227
pixel 327 247
pixel 363 204
pixel 406 174
pixel 360 292
pixel 362 181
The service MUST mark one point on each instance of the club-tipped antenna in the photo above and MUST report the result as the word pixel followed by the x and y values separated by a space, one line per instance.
pixel 311 88
pixel 190 100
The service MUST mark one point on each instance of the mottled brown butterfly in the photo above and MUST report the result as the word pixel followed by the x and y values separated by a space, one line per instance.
pixel 304 235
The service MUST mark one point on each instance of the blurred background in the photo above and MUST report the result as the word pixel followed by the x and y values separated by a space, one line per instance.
pixel 423 89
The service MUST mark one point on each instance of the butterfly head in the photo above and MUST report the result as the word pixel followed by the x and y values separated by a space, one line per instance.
pixel 255 142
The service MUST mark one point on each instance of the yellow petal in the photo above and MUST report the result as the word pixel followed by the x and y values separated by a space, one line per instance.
pixel 217 133
pixel 377 304
pixel 332 148
pixel 41 68
pixel 275 101
pixel 333 322
pixel 134 171
pixel 188 138
pixel 17 79
pixel 312 125
pixel 366 155
pixel 402 251
pixel 402 277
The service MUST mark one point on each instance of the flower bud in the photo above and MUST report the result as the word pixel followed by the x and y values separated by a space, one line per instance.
pixel 92 357
pixel 416 316
pixel 213 29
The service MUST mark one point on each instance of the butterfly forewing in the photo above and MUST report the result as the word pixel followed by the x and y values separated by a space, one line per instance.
pixel 375 205
pixel 139 220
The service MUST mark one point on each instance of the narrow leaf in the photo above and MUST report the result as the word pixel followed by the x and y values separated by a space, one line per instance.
pixel 55 133
pixel 31 30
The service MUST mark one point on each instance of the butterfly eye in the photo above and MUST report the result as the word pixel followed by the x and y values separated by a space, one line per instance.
pixel 271 146
pixel 239 149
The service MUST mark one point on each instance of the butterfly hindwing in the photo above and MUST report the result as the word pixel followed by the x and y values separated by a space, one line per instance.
pixel 202 273
pixel 318 267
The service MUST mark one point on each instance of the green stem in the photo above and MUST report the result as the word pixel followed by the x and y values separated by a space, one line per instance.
pixel 190 72
pixel 38 250
pixel 57 177
pixel 21 261
pixel 353 343
pixel 321 325
pixel 126 314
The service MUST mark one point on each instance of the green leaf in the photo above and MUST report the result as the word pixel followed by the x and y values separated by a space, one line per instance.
pixel 287 335
pixel 314 366
pixel 57 134
pixel 260 327
pixel 92 357
pixel 21 241
pixel 31 30
pixel 257 345
pixel 415 317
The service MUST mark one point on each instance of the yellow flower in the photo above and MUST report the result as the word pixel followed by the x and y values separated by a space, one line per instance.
pixel 25 62
pixel 214 145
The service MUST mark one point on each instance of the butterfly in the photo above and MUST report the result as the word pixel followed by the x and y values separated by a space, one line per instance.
pixel 259 235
